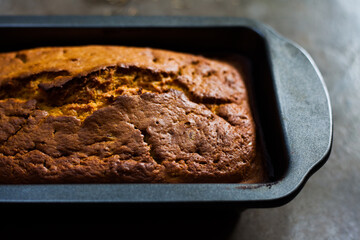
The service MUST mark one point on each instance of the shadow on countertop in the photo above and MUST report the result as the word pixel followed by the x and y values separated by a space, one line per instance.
pixel 118 223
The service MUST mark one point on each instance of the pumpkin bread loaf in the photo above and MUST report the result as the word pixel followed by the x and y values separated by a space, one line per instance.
pixel 110 114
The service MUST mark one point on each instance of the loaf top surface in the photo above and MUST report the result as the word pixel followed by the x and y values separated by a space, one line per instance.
pixel 123 114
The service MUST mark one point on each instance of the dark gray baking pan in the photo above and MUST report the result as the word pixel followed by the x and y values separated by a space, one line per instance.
pixel 289 97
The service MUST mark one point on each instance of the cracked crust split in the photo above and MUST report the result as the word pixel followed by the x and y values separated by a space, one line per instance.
pixel 120 114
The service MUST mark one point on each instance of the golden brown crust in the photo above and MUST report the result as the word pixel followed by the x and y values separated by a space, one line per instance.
pixel 121 114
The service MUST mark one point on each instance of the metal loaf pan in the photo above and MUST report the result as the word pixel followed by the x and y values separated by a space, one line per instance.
pixel 290 103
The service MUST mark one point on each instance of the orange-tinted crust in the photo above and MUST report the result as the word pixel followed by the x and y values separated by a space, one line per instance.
pixel 122 114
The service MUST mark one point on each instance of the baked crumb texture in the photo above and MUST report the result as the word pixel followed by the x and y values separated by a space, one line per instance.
pixel 98 114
